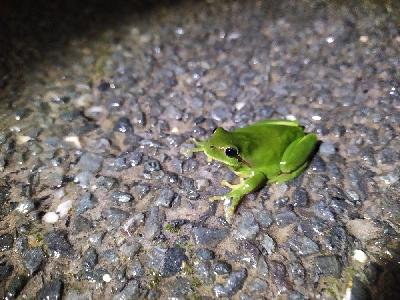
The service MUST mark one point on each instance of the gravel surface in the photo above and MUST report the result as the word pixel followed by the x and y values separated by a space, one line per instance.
pixel 100 200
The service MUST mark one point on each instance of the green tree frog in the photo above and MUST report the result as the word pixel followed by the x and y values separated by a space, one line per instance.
pixel 267 151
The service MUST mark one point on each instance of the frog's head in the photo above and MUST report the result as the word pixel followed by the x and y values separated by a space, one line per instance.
pixel 221 147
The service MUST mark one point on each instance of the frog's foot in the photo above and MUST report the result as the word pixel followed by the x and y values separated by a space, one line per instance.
pixel 231 203
pixel 216 198
pixel 231 186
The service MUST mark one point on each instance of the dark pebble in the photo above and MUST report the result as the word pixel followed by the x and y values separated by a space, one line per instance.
pixel 122 197
pixel 222 267
pixel 232 286
pixel 16 285
pixel 300 197
pixel 51 290
pixel 205 254
pixel 89 259
pixel 5 270
pixel 327 265
pixel 303 245
pixel 209 236
pixel 152 165
pixel 114 216
pixel 87 201
pixel 123 125
pixel 130 291
pixel 58 244
pixel 82 224
pixel 6 242
pixel 33 259
pixel 165 198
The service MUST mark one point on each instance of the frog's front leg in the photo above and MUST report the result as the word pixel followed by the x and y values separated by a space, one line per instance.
pixel 233 198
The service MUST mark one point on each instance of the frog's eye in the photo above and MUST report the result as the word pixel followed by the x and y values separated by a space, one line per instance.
pixel 214 130
pixel 231 152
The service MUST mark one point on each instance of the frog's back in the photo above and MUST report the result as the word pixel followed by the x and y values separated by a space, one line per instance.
pixel 265 144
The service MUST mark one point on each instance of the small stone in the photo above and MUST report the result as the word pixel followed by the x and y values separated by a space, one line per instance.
pixel 152 165
pixel 258 286
pixel 86 202
pixel 360 256
pixel 16 285
pixel 6 242
pixel 222 267
pixel 327 265
pixel 111 256
pixel 173 262
pixel 263 218
pixel 205 254
pixel 123 125
pixel 297 273
pixel 33 259
pixel 165 198
pixel 221 113
pixel 107 182
pixel 303 245
pixel 89 259
pixel 5 270
pixel 90 162
pixel 323 212
pixel 168 261
pixel 130 291
pixel 268 243
pixel 130 249
pixel 106 277
pixel 51 290
pixel 364 229
pixel 63 208
pixel 122 197
pixel 50 217
pixel 202 270
pixel 286 218
pixel 300 197
pixel 209 236
pixel 152 226
pixel 317 164
pixel 114 216
pixel 232 286
pixel 82 224
pixel 135 269
pixel 58 244
pixel 25 207
pixel 83 179
pixel 327 149
pixel 247 227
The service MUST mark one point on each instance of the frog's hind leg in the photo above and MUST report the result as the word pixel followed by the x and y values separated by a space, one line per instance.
pixel 296 157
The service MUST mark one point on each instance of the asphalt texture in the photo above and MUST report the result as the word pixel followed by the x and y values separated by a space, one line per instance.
pixel 100 198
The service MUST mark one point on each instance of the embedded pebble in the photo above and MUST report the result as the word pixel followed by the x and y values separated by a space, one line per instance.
pixel 122 197
pixel 232 285
pixel 209 236
pixel 90 162
pixel 33 259
pixel 268 244
pixel 247 226
pixel 58 243
pixel 51 290
pixel 6 242
pixel 86 202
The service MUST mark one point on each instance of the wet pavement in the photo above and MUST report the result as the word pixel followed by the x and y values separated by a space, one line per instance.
pixel 99 199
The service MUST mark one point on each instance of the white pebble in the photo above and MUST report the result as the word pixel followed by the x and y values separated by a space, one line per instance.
pixel 50 217
pixel 360 256
pixel 73 139
pixel 106 278
pixel 63 208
